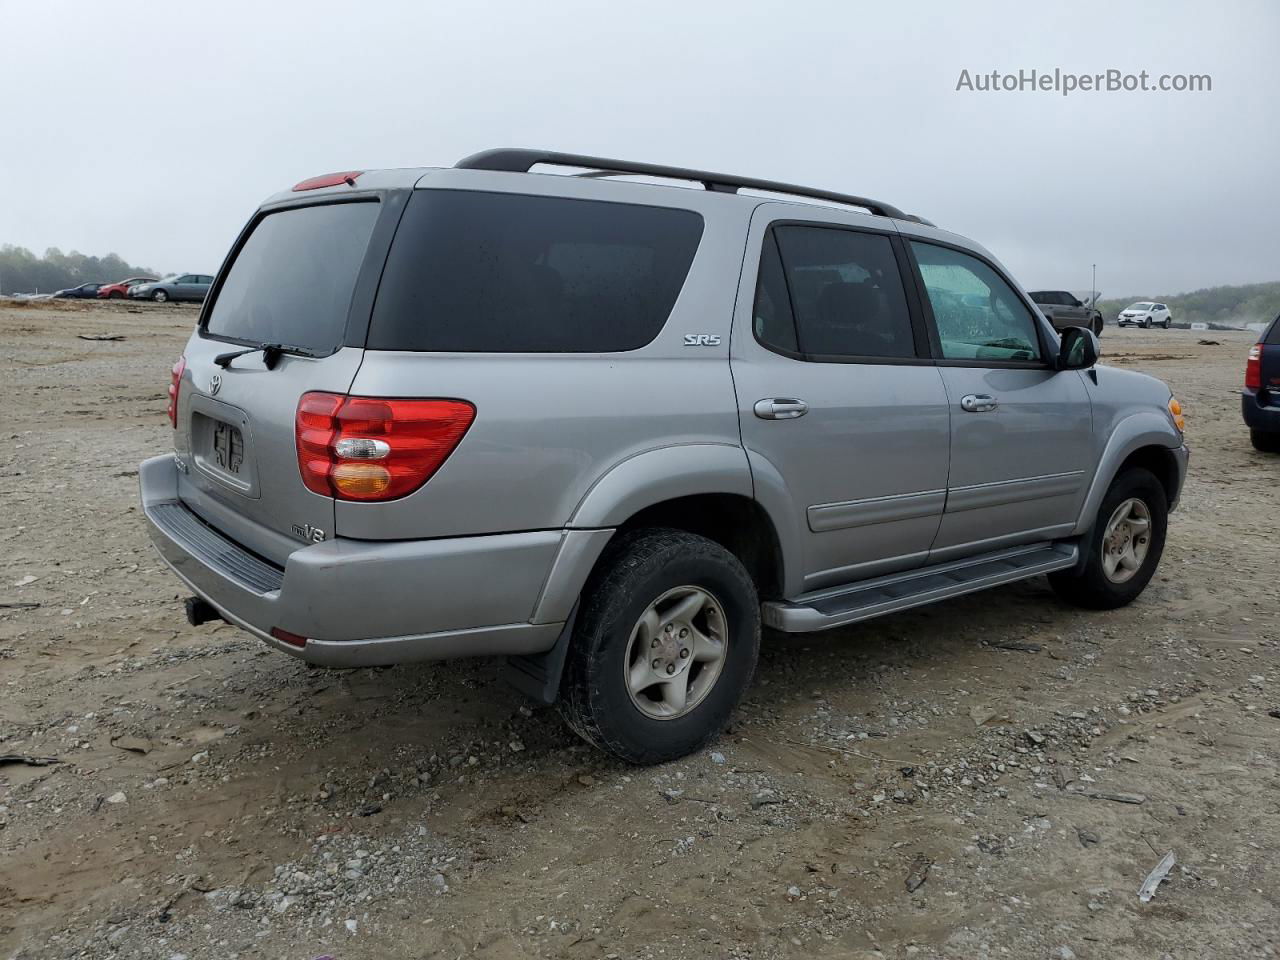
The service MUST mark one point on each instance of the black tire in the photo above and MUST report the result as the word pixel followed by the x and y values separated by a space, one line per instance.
pixel 1167 324
pixel 1088 585
pixel 1097 326
pixel 636 570
pixel 1265 442
pixel 115 295
pixel 160 296
pixel 1146 323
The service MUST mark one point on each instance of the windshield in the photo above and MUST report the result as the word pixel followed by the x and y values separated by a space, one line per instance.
pixel 1141 306
pixel 293 278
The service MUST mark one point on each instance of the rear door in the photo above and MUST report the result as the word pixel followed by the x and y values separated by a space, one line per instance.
pixel 843 415
pixel 294 279
pixel 1021 431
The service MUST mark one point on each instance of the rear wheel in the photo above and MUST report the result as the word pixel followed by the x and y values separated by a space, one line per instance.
pixel 160 296
pixel 1123 548
pixel 1166 323
pixel 664 647
pixel 1097 326
pixel 1265 442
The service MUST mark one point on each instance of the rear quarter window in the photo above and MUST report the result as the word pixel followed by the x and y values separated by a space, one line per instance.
pixel 508 273
pixel 1273 335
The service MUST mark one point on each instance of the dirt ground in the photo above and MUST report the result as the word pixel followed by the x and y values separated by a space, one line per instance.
pixel 991 777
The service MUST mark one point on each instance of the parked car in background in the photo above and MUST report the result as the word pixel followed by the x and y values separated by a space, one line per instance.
pixel 191 287
pixel 746 410
pixel 1145 314
pixel 86 291
pixel 1260 399
pixel 120 289
pixel 1064 309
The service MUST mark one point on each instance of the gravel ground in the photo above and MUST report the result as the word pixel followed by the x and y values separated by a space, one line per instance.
pixel 991 777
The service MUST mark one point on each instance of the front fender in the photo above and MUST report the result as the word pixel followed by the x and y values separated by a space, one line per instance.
pixel 1145 428
pixel 664 473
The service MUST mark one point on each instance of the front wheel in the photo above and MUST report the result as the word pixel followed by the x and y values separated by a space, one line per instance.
pixel 664 647
pixel 1123 548
pixel 160 296
pixel 1167 324
pixel 115 295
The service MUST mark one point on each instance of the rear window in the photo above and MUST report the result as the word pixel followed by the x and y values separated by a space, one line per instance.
pixel 500 272
pixel 293 278
pixel 1273 335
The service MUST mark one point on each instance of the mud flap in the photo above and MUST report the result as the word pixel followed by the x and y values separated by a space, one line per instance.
pixel 537 676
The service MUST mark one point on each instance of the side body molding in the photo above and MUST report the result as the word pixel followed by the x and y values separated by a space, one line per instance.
pixel 1142 429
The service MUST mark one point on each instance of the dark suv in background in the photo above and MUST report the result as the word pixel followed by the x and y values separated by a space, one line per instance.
pixel 1064 309
pixel 1260 399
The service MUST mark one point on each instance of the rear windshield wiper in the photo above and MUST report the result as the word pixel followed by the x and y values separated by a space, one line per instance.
pixel 271 354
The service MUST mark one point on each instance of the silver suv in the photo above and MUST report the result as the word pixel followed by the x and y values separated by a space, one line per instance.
pixel 608 428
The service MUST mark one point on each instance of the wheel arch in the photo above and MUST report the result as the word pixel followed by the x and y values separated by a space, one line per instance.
pixel 1143 440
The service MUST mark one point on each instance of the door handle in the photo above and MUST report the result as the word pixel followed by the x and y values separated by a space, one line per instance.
pixel 780 408
pixel 978 403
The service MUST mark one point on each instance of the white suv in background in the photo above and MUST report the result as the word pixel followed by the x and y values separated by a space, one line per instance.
pixel 1145 314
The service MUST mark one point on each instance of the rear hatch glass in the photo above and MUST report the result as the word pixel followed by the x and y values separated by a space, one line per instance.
pixel 293 278
pixel 291 282
pixel 499 272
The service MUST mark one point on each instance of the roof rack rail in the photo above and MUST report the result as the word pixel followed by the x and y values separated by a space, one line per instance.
pixel 519 160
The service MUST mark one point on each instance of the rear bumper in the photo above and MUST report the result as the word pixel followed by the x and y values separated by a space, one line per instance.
pixel 1258 416
pixel 366 603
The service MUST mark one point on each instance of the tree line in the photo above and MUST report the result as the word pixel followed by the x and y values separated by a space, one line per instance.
pixel 21 271
pixel 1230 305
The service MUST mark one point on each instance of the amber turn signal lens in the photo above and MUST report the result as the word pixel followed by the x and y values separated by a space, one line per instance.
pixel 360 479
pixel 1175 411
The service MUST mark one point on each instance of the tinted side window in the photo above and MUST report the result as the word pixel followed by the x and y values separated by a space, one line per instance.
pixel 501 272
pixel 773 321
pixel 1273 335
pixel 978 315
pixel 846 293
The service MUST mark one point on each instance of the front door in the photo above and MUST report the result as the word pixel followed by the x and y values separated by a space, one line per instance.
pixel 1021 431
pixel 844 417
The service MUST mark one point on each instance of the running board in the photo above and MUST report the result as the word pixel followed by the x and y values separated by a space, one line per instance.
pixel 837 606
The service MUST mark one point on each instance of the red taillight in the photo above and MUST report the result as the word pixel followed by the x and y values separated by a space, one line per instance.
pixel 1253 368
pixel 369 449
pixel 328 180
pixel 292 639
pixel 175 384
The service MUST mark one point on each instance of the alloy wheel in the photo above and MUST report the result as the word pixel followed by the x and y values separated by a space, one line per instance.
pixel 676 652
pixel 1126 540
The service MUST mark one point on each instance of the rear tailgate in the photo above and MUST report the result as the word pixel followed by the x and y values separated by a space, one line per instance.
pixel 297 277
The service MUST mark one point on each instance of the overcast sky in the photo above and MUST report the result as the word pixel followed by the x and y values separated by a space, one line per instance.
pixel 154 129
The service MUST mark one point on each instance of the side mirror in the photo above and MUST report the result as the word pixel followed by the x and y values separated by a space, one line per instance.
pixel 1079 349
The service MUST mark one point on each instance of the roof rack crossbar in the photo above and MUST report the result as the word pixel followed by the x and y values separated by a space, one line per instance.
pixel 518 160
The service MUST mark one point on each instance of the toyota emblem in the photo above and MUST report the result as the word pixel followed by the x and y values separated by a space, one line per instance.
pixel 215 384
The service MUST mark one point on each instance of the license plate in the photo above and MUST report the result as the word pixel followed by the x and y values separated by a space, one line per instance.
pixel 228 448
